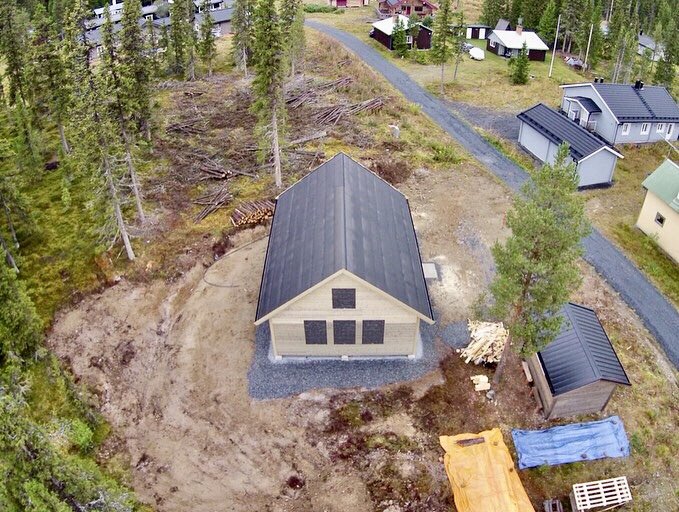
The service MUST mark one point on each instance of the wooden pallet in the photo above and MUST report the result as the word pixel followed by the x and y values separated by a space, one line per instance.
pixel 611 493
pixel 552 506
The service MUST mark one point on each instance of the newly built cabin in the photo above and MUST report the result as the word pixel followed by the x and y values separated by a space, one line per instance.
pixel 578 371
pixel 343 275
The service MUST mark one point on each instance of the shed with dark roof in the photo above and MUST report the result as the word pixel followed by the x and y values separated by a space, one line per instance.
pixel 543 129
pixel 578 372
pixel 343 274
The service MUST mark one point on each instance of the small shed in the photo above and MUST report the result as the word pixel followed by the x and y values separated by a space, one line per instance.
pixel 543 130
pixel 383 30
pixel 477 31
pixel 508 43
pixel 578 372
pixel 343 275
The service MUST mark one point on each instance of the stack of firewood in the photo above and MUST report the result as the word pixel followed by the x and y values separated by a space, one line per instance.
pixel 331 115
pixel 255 212
pixel 487 342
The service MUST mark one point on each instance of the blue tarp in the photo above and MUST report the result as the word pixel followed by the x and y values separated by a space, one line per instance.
pixel 571 443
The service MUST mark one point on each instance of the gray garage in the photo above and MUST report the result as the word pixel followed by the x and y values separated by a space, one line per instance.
pixel 543 130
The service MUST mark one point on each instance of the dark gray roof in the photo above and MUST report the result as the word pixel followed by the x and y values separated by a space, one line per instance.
pixel 503 24
pixel 558 128
pixel 342 216
pixel 581 354
pixel 587 103
pixel 652 103
pixel 218 15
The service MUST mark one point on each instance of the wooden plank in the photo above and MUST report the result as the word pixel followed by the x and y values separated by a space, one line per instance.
pixel 526 371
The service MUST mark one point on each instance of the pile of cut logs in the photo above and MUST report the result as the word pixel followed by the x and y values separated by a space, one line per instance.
pixel 255 212
pixel 331 115
pixel 212 201
pixel 487 341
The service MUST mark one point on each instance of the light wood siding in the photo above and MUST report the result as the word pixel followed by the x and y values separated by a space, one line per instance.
pixel 400 331
pixel 668 234
pixel 584 400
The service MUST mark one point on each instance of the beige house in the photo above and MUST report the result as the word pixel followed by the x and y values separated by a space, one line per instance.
pixel 343 275
pixel 659 216
pixel 578 372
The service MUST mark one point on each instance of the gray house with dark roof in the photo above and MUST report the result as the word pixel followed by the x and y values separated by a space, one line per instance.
pixel 578 372
pixel 343 275
pixel 542 130
pixel 623 113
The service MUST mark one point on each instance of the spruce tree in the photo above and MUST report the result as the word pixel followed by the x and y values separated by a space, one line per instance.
pixel 459 38
pixel 207 48
pixel 13 44
pixel 532 10
pixel 292 26
pixel 242 26
pixel 45 73
pixel 520 67
pixel 665 71
pixel 399 39
pixel 548 21
pixel 268 84
pixel 492 11
pixel 516 11
pixel 180 36
pixel 414 28
pixel 135 63
pixel 537 266
pixel 443 39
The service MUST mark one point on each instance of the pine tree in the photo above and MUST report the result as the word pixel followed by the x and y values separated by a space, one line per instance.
pixel 443 39
pixel 399 39
pixel 520 67
pixel 537 266
pixel 596 45
pixel 268 83
pixel 180 36
pixel 20 327
pixel 548 21
pixel 13 43
pixel 135 62
pixel 532 11
pixel 665 71
pixel 123 104
pixel 292 25
pixel 459 38
pixel 243 33
pixel 207 48
pixel 516 11
pixel 45 73
pixel 571 21
pixel 492 11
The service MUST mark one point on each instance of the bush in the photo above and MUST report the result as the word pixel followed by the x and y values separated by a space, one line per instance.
pixel 314 8
pixel 80 435
pixel 444 154
pixel 420 57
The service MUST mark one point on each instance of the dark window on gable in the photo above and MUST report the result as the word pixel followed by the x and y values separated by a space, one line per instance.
pixel 344 332
pixel 343 298
pixel 659 219
pixel 315 332
pixel 373 332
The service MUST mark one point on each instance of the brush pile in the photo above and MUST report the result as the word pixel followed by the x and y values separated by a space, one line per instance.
pixel 331 115
pixel 212 201
pixel 487 341
pixel 252 213
pixel 296 97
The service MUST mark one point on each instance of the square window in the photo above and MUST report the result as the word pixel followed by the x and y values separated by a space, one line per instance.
pixel 343 298
pixel 315 332
pixel 659 219
pixel 344 332
pixel 645 128
pixel 625 129
pixel 660 128
pixel 373 332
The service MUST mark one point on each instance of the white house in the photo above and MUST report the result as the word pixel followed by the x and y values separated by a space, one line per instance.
pixel 508 43
pixel 623 113
pixel 543 130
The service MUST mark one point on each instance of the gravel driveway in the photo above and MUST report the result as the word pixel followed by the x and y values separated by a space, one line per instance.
pixel 503 124
pixel 659 316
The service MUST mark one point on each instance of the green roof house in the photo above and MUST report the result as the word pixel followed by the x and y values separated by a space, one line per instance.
pixel 659 216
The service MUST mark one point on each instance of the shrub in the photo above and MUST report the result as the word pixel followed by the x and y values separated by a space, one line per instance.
pixel 444 154
pixel 80 435
pixel 314 8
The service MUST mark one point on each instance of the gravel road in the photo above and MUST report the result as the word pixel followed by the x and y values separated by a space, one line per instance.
pixel 660 317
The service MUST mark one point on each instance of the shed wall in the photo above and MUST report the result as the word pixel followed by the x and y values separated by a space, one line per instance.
pixel 383 38
pixel 597 169
pixel 400 331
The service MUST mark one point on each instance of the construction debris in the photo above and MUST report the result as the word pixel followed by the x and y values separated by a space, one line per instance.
pixel 255 212
pixel 487 342
pixel 331 115
pixel 212 202
pixel 480 382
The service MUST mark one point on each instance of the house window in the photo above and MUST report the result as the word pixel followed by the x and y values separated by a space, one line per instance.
pixel 660 128
pixel 315 332
pixel 670 129
pixel 419 8
pixel 149 17
pixel 409 39
pixel 625 128
pixel 659 219
pixel 343 298
pixel 491 43
pixel 373 332
pixel 645 128
pixel 344 332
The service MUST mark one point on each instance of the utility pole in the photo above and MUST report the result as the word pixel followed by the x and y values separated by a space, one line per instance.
pixel 589 42
pixel 556 38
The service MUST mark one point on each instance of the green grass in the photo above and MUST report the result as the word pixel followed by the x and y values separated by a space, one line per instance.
pixel 650 258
